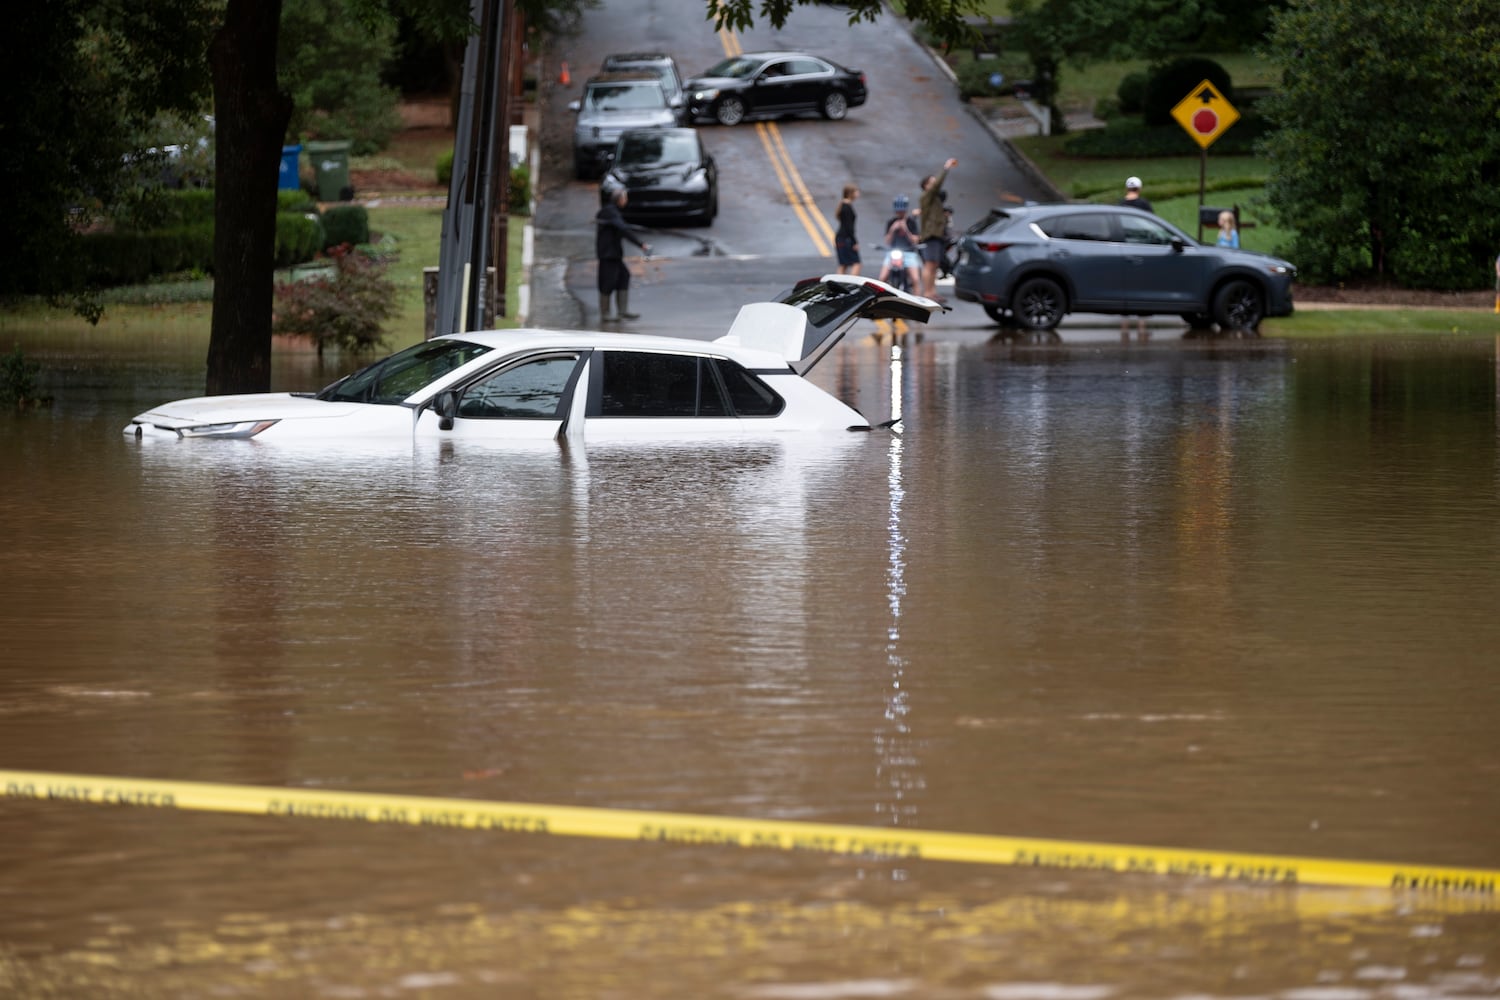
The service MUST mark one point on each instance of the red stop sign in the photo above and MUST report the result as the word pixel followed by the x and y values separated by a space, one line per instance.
pixel 1205 121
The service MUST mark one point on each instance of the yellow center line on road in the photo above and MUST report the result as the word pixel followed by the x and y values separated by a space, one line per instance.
pixel 819 230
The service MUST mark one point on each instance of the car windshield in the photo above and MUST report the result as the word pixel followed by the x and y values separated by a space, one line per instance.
pixel 656 149
pixel 403 373
pixel 737 67
pixel 625 97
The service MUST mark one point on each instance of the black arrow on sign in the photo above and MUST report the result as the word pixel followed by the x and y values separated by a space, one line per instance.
pixel 1207 96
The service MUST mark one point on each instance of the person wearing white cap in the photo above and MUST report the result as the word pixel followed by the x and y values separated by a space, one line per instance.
pixel 1133 196
pixel 1134 199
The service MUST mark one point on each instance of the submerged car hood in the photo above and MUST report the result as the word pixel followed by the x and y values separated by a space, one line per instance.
pixel 235 409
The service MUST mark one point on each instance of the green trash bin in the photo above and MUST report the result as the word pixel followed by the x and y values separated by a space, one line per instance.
pixel 330 163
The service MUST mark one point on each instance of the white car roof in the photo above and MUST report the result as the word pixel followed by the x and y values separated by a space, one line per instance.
pixel 531 338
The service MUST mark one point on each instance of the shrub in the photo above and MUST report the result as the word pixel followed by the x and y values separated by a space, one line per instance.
pixel 126 257
pixel 346 309
pixel 445 168
pixel 1132 93
pixel 297 201
pixel 1169 84
pixel 299 237
pixel 520 190
pixel 1130 140
pixel 346 224
pixel 18 379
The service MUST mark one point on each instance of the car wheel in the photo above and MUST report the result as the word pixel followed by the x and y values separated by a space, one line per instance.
pixel 1039 304
pixel 1198 321
pixel 730 111
pixel 835 106
pixel 1239 305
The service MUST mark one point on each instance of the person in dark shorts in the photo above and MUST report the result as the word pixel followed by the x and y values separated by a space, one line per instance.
pixel 844 241
pixel 934 221
pixel 609 246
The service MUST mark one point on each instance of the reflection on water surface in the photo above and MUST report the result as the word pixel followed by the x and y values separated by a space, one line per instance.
pixel 1230 596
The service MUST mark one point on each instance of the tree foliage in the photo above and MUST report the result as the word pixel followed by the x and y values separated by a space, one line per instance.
pixel 331 63
pixel 84 80
pixel 1387 159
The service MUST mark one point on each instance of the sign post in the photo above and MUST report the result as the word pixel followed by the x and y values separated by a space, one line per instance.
pixel 1205 114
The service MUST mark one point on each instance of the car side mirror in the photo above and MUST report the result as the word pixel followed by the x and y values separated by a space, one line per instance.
pixel 445 405
pixel 574 106
pixel 1178 244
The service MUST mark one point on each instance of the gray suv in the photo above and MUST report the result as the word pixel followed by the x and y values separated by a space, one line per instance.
pixel 611 104
pixel 1031 265
pixel 665 68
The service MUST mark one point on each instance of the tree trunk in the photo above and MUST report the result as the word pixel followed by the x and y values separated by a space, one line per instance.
pixel 251 116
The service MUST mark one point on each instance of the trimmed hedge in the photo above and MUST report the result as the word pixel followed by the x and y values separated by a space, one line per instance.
pixel 299 237
pixel 126 257
pixel 1125 140
pixel 346 224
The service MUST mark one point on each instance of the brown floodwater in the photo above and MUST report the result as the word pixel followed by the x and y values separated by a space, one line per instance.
pixel 1221 595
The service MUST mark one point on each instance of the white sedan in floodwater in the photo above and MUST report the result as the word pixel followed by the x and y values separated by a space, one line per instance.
pixel 539 384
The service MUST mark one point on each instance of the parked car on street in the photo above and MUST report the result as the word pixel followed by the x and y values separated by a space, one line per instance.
pixel 1032 265
pixel 612 103
pixel 668 175
pixel 665 68
pixel 762 84
pixel 513 385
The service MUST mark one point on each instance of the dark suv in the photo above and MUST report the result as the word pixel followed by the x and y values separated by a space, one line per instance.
pixel 611 104
pixel 1031 265
pixel 665 68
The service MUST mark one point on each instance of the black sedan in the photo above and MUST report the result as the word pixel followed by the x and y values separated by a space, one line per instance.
pixel 768 84
pixel 667 174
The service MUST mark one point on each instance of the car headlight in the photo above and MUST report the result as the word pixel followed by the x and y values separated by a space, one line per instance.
pixel 1281 269
pixel 241 429
pixel 705 95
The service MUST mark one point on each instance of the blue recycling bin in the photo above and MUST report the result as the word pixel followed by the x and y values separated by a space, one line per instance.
pixel 289 180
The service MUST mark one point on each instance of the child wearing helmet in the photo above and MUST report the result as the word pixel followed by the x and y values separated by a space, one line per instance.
pixel 902 258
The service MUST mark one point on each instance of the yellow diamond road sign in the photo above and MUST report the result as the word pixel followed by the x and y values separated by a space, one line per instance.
pixel 1205 113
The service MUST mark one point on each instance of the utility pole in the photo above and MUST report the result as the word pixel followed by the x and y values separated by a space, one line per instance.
pixel 472 259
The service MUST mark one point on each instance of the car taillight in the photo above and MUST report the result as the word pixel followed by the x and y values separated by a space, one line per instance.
pixel 992 247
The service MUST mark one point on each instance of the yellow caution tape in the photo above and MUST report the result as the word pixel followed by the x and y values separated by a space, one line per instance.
pixel 787 835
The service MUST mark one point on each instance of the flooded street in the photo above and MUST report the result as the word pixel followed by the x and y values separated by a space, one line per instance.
pixel 1228 595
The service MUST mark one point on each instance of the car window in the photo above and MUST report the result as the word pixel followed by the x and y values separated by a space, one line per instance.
pixel 1142 228
pixel 403 373
pixel 656 147
pixel 736 67
pixel 625 97
pixel 749 395
pixel 1085 226
pixel 531 390
pixel 777 69
pixel 640 384
pixel 804 66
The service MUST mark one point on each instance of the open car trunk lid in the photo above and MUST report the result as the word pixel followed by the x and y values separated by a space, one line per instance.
pixel 810 318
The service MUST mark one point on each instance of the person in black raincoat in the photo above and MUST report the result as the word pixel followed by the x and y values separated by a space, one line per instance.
pixel 610 236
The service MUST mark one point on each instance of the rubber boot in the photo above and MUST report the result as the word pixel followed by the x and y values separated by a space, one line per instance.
pixel 604 316
pixel 623 297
